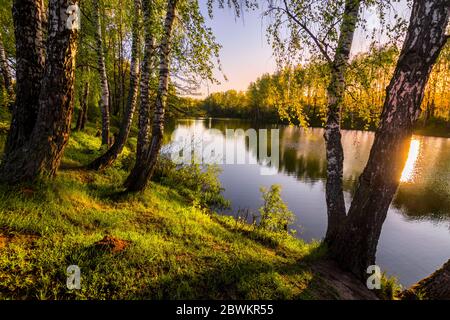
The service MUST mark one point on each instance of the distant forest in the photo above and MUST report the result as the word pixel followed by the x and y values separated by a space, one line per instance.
pixel 298 95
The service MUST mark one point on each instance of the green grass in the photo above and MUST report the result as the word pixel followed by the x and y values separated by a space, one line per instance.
pixel 390 288
pixel 176 250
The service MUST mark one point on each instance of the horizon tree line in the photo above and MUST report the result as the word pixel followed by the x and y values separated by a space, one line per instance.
pixel 297 94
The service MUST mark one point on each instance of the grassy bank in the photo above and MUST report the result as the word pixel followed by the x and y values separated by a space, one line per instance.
pixel 155 245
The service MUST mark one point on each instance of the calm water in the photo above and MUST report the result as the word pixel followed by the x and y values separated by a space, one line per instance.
pixel 415 239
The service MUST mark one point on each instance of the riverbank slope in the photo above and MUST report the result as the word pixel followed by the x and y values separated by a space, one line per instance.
pixel 154 245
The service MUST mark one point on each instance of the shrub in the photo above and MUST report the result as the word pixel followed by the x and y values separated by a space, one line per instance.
pixel 275 215
pixel 197 183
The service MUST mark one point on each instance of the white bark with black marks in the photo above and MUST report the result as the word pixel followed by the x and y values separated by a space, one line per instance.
pixel 335 92
pixel 104 99
pixel 148 63
pixel 116 149
pixel 355 245
pixel 6 74
pixel 41 155
pixel 142 172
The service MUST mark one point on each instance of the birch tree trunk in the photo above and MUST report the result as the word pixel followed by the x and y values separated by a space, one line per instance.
pixel 121 105
pixel 143 170
pixel 28 16
pixel 355 245
pixel 104 100
pixel 434 287
pixel 111 155
pixel 335 94
pixel 82 116
pixel 6 74
pixel 147 65
pixel 41 155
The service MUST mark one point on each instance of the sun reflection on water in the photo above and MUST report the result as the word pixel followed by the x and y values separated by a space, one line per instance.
pixel 408 171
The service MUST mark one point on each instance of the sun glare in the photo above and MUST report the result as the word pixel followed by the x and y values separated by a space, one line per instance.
pixel 408 170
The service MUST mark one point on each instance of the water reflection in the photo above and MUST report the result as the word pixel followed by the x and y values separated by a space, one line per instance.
pixel 424 192
pixel 415 239
pixel 410 165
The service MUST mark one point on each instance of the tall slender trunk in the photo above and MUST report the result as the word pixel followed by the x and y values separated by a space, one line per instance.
pixel 41 155
pixel 115 80
pixel 28 16
pixel 6 74
pixel 111 155
pixel 121 75
pixel 335 93
pixel 434 287
pixel 121 106
pixel 82 116
pixel 147 65
pixel 355 245
pixel 143 170
pixel 104 100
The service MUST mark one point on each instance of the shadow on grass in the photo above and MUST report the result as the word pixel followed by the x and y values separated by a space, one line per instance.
pixel 249 279
pixel 266 240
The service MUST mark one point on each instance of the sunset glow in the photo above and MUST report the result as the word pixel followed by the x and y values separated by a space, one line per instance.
pixel 408 171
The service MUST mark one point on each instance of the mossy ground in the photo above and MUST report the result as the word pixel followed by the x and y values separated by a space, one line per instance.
pixel 175 249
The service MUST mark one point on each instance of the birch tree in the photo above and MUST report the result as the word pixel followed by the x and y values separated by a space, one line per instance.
pixel 6 74
pixel 151 31
pixel 104 99
pixel 434 287
pixel 114 151
pixel 355 244
pixel 186 51
pixel 83 99
pixel 29 21
pixel 352 238
pixel 41 154
pixel 336 21
pixel 143 170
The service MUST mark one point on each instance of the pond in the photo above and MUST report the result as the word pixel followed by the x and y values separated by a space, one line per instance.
pixel 415 240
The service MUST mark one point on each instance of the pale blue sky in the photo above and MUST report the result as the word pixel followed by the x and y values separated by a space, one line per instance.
pixel 245 53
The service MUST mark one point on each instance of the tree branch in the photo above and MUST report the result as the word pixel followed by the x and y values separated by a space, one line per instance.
pixel 318 43
pixel 84 65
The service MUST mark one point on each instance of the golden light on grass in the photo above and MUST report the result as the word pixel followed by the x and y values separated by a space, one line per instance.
pixel 408 171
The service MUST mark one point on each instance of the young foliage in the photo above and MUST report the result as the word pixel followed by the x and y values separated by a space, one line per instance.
pixel 275 215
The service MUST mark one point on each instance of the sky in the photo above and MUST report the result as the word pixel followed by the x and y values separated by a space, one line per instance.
pixel 246 54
